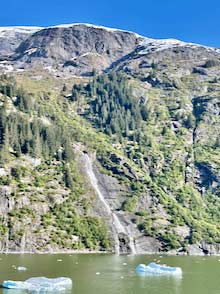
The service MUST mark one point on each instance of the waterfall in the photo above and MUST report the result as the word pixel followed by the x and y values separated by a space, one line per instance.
pixel 117 225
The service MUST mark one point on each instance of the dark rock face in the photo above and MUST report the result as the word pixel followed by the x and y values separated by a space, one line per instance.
pixel 124 244
pixel 80 47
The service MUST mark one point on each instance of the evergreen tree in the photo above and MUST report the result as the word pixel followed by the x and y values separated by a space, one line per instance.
pixel 68 177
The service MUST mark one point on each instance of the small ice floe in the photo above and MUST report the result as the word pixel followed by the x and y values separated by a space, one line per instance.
pixel 21 268
pixel 40 284
pixel 157 269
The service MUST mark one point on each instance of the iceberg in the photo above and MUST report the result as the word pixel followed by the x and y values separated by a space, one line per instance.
pixel 21 268
pixel 157 269
pixel 40 284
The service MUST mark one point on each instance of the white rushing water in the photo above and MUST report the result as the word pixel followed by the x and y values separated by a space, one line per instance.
pixel 118 226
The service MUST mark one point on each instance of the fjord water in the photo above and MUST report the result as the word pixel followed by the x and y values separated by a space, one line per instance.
pixel 109 274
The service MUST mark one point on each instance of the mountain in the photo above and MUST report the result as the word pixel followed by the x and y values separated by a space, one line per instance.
pixel 80 49
pixel 11 37
pixel 109 141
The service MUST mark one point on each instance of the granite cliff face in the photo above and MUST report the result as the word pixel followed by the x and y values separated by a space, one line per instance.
pixel 112 144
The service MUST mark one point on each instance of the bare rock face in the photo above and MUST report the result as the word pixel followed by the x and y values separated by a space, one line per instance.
pixel 148 245
pixel 81 48
pixel 203 249
pixel 11 38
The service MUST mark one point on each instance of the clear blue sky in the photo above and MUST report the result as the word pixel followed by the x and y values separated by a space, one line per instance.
pixel 188 20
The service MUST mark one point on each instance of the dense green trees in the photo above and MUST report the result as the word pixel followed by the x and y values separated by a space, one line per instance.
pixel 113 108
pixel 23 131
pixel 30 126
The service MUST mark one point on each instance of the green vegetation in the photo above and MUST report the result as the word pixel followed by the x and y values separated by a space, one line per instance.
pixel 36 150
pixel 159 145
pixel 153 138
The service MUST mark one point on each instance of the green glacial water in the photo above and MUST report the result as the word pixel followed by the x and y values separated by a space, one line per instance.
pixel 109 274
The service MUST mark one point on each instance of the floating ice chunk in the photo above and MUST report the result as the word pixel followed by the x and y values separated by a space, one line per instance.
pixel 157 269
pixel 40 284
pixel 21 268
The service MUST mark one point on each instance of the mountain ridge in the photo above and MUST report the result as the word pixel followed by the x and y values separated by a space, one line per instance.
pixel 140 117
pixel 81 48
pixel 37 28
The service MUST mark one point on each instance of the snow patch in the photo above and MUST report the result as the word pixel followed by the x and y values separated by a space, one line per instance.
pixel 86 54
pixel 163 44
pixel 30 51
pixel 4 31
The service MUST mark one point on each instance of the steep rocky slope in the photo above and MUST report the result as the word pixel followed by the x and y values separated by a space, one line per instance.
pixel 11 37
pixel 76 48
pixel 117 129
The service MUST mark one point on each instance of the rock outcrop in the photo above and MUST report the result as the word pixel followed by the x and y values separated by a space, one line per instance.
pixel 78 48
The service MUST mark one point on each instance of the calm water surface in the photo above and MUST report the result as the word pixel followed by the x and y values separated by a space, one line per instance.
pixel 108 274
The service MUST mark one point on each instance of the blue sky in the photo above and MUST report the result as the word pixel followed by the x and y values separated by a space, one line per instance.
pixel 188 20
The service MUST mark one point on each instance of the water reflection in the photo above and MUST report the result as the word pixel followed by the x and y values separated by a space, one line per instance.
pixel 168 283
pixel 12 291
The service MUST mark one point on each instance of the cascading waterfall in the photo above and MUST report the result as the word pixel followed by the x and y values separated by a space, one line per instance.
pixel 118 226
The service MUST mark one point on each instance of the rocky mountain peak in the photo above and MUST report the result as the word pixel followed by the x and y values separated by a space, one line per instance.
pixel 79 48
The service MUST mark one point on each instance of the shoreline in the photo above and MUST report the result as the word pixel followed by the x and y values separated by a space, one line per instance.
pixel 96 252
pixel 57 252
